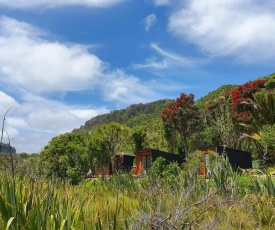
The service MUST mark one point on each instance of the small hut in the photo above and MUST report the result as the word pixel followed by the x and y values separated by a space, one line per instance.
pixel 145 158
pixel 237 158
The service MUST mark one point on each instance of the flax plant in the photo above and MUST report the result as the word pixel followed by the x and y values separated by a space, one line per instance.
pixel 186 201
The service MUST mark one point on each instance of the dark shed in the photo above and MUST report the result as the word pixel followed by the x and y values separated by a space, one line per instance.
pixel 237 158
pixel 145 158
pixel 123 162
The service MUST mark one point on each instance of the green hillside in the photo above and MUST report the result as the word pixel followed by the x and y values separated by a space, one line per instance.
pixel 134 115
pixel 147 117
pixel 144 114
pixel 213 96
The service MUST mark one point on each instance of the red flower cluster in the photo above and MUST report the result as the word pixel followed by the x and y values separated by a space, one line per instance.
pixel 239 110
pixel 181 114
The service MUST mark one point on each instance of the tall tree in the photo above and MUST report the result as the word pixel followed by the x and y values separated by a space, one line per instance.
pixel 170 135
pixel 182 116
pixel 139 137
pixel 65 154
pixel 113 136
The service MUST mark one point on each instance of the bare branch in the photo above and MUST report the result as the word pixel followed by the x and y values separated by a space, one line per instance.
pixel 3 127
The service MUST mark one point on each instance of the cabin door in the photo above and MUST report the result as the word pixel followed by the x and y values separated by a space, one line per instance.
pixel 146 163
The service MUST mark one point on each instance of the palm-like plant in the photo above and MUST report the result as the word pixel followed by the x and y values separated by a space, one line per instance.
pixel 263 113
pixel 264 109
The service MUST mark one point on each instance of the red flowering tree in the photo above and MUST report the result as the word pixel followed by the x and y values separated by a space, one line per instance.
pixel 182 116
pixel 240 110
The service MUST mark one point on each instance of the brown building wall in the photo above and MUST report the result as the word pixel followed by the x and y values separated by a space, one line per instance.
pixel 139 159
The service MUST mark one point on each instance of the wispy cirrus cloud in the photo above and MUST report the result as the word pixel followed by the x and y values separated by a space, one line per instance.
pixel 166 59
pixel 149 21
pixel 24 4
pixel 162 2
pixel 177 59
pixel 243 29
pixel 152 63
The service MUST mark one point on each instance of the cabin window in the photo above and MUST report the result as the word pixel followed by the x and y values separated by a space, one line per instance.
pixel 146 163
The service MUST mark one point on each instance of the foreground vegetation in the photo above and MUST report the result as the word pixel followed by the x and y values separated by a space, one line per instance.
pixel 162 200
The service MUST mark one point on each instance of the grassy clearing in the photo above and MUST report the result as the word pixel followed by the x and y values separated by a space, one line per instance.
pixel 226 201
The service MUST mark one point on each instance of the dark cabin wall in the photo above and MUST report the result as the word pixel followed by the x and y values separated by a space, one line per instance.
pixel 237 158
pixel 128 162
pixel 170 157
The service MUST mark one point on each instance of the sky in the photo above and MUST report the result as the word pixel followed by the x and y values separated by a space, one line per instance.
pixel 63 62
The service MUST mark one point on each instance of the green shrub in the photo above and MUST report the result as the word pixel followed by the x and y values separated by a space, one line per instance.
pixel 160 169
pixel 73 176
pixel 171 170
pixel 245 184
pixel 157 167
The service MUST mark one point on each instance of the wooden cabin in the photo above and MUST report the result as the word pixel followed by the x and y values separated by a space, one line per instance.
pixel 237 158
pixel 122 163
pixel 145 158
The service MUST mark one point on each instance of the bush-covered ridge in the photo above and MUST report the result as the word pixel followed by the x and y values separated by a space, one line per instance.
pixel 142 114
pixel 213 96
pixel 134 115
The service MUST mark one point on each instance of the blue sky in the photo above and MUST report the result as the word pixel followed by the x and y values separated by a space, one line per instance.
pixel 63 62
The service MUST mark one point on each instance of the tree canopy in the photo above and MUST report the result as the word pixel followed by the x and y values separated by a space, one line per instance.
pixel 183 116
pixel 112 136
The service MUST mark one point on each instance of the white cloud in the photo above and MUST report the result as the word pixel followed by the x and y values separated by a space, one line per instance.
pixel 171 56
pixel 222 27
pixel 56 117
pixel 127 89
pixel 6 102
pixel 18 122
pixel 168 59
pixel 32 124
pixel 152 63
pixel 86 114
pixel 39 66
pixel 162 2
pixel 149 21
pixel 56 3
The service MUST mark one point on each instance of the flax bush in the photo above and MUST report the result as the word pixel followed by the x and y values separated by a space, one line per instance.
pixel 188 201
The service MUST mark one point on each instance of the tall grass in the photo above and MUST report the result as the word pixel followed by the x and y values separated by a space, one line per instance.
pixel 186 201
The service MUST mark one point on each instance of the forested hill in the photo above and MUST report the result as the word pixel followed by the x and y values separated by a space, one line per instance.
pixel 213 96
pixel 144 114
pixel 134 115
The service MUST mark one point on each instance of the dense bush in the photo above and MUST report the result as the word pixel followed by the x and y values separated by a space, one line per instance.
pixel 227 200
pixel 161 169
